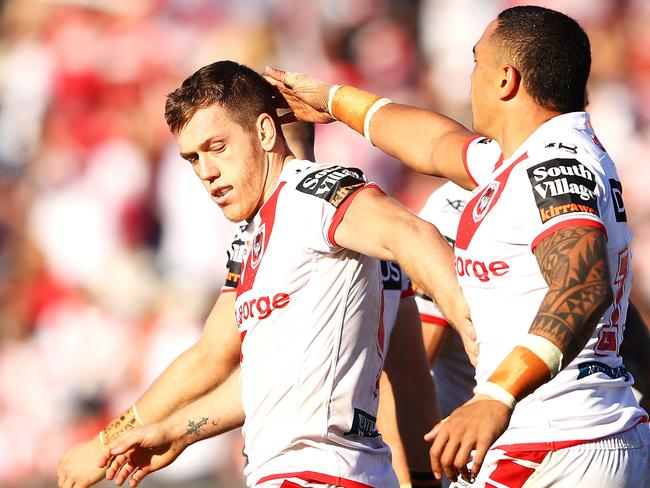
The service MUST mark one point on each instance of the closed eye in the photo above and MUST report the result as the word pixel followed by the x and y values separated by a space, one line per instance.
pixel 191 157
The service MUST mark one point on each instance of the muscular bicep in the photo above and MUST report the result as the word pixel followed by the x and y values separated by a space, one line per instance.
pixel 573 262
pixel 371 224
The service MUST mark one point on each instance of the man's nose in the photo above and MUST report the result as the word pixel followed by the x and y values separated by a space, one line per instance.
pixel 208 169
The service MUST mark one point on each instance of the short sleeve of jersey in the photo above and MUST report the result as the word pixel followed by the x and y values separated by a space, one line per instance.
pixel 480 157
pixel 234 258
pixel 326 192
pixel 561 192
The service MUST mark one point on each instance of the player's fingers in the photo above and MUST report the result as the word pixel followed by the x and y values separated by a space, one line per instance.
pixel 436 451
pixel 125 472
pixel 462 458
pixel 448 456
pixel 482 447
pixel 278 84
pixel 116 466
pixel 278 74
pixel 287 118
pixel 139 475
pixel 431 435
pixel 117 461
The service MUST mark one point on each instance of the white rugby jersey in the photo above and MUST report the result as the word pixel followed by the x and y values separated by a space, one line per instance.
pixel 310 317
pixel 560 176
pixel 453 373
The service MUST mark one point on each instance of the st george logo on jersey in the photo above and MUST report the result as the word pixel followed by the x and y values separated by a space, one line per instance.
pixel 257 251
pixel 485 201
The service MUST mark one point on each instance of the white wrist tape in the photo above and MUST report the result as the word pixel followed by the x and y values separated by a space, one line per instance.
pixel 371 113
pixel 330 97
pixel 546 350
pixel 497 392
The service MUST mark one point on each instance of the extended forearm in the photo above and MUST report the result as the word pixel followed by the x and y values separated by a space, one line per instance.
pixel 190 376
pixel 216 412
pixel 429 261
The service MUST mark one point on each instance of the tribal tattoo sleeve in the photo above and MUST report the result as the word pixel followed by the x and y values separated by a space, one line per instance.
pixel 573 261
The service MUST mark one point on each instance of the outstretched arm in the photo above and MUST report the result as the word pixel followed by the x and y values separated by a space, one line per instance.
pixel 152 447
pixel 573 261
pixel 426 141
pixel 205 364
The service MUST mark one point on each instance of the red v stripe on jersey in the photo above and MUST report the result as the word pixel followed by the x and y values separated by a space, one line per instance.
pixel 267 216
pixel 468 226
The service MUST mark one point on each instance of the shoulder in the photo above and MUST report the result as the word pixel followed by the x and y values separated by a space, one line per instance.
pixel 570 156
pixel 326 182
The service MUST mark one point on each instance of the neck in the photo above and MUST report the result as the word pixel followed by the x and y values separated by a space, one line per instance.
pixel 519 123
pixel 275 164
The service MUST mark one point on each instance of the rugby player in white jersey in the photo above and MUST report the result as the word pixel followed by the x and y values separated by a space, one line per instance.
pixel 208 362
pixel 214 356
pixel 542 253
pixel 308 303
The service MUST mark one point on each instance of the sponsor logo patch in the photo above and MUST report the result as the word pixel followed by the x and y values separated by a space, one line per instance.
pixel 617 198
pixel 593 367
pixel 363 424
pixel 391 274
pixel 333 184
pixel 563 186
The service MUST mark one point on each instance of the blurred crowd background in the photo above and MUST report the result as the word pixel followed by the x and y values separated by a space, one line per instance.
pixel 111 253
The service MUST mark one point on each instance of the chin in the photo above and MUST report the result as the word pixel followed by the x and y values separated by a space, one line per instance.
pixel 237 214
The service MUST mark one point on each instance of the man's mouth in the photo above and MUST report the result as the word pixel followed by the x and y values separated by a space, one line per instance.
pixel 220 194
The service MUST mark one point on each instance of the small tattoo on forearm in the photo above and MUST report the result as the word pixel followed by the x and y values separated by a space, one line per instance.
pixel 195 427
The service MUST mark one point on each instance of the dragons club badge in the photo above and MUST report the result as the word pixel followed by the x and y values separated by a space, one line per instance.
pixel 485 201
pixel 257 250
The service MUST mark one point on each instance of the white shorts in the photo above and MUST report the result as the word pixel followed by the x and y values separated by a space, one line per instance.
pixel 306 482
pixel 618 461
pixel 291 483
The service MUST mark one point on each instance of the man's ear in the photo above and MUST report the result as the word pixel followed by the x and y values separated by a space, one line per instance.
pixel 266 131
pixel 510 82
